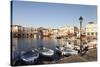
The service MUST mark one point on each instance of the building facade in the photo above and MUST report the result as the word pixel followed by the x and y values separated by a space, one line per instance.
pixel 16 30
pixel 68 30
pixel 91 30
pixel 19 31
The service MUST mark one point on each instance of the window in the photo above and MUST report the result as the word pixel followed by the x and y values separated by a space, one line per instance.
pixel 88 33
pixel 92 33
pixel 96 33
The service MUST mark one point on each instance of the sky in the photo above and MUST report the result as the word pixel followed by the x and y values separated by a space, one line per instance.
pixel 51 15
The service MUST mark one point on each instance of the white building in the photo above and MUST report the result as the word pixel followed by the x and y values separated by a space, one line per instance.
pixel 16 28
pixel 45 32
pixel 28 30
pixel 55 31
pixel 91 29
pixel 66 30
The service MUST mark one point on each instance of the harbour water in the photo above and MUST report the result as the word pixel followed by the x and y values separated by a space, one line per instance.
pixel 26 44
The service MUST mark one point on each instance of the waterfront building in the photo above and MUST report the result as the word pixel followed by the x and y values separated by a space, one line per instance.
pixel 19 31
pixel 45 32
pixel 67 31
pixel 42 32
pixel 28 32
pixel 50 31
pixel 54 32
pixel 91 30
pixel 16 30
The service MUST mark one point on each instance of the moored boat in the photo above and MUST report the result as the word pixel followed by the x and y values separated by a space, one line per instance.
pixel 46 52
pixel 69 52
pixel 29 56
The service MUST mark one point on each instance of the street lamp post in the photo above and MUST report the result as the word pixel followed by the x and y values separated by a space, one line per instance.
pixel 81 46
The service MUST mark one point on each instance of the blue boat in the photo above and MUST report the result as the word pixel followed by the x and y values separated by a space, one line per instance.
pixel 29 56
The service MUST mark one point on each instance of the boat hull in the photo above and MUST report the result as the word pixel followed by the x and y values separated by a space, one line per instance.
pixel 29 58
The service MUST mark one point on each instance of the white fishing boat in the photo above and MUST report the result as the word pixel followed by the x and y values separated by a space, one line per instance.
pixel 29 56
pixel 69 52
pixel 46 52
